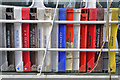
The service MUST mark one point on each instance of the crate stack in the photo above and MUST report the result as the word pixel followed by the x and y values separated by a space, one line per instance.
pixel 65 36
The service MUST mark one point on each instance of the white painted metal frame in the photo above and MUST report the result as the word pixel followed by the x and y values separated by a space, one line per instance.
pixel 62 76
pixel 56 49
pixel 58 22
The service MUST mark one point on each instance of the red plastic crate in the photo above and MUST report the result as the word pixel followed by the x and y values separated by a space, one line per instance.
pixel 91 37
pixel 83 40
pixel 25 40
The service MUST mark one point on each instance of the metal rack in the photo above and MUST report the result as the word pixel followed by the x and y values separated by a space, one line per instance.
pixel 58 49
pixel 80 77
pixel 57 22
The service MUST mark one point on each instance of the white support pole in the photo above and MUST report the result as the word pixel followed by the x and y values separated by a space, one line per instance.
pixel 56 49
pixel 59 22
pixel 25 21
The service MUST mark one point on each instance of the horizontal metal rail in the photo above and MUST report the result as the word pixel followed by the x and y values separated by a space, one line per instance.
pixel 87 22
pixel 25 21
pixel 84 77
pixel 56 49
pixel 59 22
